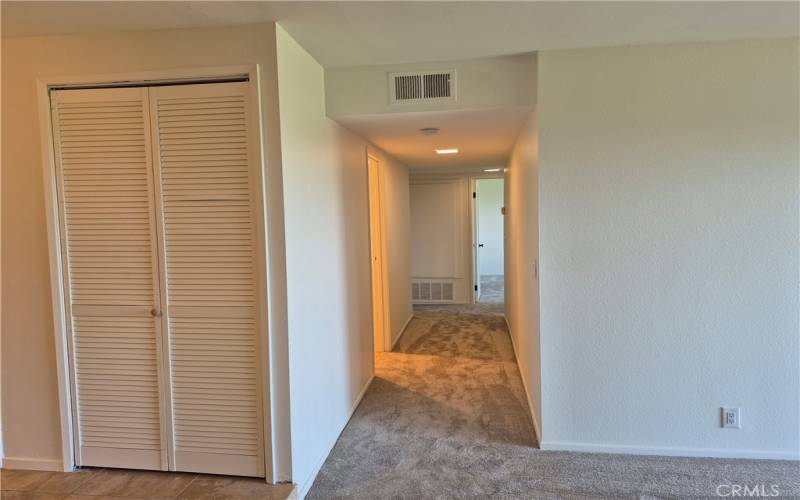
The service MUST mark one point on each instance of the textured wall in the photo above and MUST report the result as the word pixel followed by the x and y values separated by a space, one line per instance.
pixel 521 260
pixel 327 261
pixel 669 247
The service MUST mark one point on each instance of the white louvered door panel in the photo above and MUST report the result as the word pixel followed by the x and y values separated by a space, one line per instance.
pixel 207 207
pixel 104 172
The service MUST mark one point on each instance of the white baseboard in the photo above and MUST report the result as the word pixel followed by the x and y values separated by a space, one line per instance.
pixel 302 488
pixel 669 452
pixel 32 464
pixel 402 331
pixel 536 429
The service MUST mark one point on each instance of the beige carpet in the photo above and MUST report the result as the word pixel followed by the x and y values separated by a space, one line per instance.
pixel 446 418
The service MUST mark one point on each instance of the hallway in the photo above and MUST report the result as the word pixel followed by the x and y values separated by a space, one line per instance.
pixel 446 417
pixel 442 414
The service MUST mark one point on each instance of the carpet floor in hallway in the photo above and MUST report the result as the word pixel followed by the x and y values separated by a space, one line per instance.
pixel 446 417
pixel 492 289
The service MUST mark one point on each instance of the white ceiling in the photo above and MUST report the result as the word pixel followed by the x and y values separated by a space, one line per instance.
pixel 483 137
pixel 363 33
pixel 368 33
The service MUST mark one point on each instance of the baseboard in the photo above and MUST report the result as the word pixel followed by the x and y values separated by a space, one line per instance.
pixel 669 452
pixel 536 429
pixel 302 488
pixel 32 464
pixel 402 331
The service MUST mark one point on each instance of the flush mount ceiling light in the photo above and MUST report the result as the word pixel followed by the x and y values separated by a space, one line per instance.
pixel 450 151
pixel 491 169
pixel 429 131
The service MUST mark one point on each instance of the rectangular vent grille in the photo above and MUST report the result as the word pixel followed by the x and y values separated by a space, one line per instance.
pixel 407 87
pixel 422 86
pixel 431 291
pixel 436 85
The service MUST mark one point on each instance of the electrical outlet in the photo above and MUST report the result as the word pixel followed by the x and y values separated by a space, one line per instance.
pixel 731 418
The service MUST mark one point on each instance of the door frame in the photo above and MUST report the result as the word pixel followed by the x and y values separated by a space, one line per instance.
pixel 386 334
pixel 267 381
pixel 473 208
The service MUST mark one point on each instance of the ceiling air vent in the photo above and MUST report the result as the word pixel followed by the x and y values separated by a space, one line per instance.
pixel 422 86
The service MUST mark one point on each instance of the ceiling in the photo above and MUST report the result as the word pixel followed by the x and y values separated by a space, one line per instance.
pixel 364 33
pixel 368 33
pixel 484 137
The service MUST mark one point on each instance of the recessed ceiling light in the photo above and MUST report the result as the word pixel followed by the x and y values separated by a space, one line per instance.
pixel 491 169
pixel 450 151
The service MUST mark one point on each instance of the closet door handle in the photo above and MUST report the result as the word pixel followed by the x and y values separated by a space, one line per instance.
pixel 155 313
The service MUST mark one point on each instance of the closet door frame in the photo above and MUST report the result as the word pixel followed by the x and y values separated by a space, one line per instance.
pixel 55 230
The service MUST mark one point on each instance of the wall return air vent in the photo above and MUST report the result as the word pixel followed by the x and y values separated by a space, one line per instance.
pixel 431 291
pixel 422 86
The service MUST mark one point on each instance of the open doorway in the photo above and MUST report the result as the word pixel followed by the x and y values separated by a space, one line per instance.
pixel 488 244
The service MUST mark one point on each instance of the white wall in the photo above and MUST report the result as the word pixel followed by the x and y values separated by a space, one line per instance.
pixel 327 261
pixel 397 231
pixel 31 430
pixel 490 226
pixel 440 232
pixel 521 261
pixel 669 247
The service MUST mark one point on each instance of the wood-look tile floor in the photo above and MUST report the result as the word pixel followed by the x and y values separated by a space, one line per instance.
pixel 102 484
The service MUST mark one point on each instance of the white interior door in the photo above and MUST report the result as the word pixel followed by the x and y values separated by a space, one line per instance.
pixel 476 239
pixel 379 320
pixel 490 226
pixel 102 150
pixel 207 202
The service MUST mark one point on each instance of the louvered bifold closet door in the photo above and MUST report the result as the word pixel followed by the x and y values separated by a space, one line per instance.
pixel 208 205
pixel 105 187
